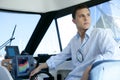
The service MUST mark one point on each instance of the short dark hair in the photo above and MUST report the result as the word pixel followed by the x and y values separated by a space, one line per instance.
pixel 81 6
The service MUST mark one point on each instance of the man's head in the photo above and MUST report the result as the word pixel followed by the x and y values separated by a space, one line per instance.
pixel 81 17
pixel 78 8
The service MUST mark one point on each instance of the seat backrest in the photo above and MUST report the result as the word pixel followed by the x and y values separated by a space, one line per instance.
pixel 5 74
pixel 105 70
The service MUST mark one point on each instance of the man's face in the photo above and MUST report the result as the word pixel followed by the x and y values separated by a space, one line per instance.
pixel 82 19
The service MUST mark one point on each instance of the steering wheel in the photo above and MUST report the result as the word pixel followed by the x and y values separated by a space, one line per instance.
pixel 36 76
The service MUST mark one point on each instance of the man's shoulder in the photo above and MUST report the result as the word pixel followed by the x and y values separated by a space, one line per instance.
pixel 102 30
pixel 98 29
pixel 75 37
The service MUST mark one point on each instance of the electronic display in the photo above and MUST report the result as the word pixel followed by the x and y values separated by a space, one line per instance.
pixel 11 51
pixel 23 65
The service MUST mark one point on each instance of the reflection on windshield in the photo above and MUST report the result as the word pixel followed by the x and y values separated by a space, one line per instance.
pixel 108 17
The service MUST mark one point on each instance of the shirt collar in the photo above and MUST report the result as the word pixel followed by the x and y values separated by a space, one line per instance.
pixel 88 32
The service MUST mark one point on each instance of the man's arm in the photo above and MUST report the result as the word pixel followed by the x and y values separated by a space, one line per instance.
pixel 86 73
pixel 39 68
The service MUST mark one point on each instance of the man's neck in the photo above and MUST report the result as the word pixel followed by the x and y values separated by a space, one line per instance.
pixel 82 34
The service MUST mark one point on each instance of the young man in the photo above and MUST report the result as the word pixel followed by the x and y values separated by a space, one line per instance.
pixel 86 47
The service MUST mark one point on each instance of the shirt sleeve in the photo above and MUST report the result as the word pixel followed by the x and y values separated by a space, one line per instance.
pixel 54 61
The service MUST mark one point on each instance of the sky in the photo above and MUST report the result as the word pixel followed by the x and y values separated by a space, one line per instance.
pixel 25 25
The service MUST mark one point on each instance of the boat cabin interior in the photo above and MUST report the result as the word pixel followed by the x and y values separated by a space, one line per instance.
pixel 46 30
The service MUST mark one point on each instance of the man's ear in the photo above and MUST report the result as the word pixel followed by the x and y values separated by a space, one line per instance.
pixel 73 20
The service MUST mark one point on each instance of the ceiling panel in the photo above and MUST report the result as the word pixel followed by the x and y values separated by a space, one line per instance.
pixel 40 6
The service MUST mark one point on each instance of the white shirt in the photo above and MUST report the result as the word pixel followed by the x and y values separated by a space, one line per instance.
pixel 97 45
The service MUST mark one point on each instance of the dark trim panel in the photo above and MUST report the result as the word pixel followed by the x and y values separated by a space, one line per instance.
pixel 69 10
pixel 39 31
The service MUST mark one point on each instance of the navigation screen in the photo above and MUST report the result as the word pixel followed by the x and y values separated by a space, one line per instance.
pixel 23 65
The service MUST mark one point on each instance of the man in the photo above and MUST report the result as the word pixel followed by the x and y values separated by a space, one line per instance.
pixel 86 47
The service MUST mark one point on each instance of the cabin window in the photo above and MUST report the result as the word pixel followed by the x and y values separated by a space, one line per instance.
pixel 49 44
pixel 107 16
pixel 25 25
pixel 67 29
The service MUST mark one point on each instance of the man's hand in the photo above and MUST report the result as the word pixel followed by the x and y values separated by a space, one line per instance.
pixel 36 70
pixel 86 73
pixel 7 63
